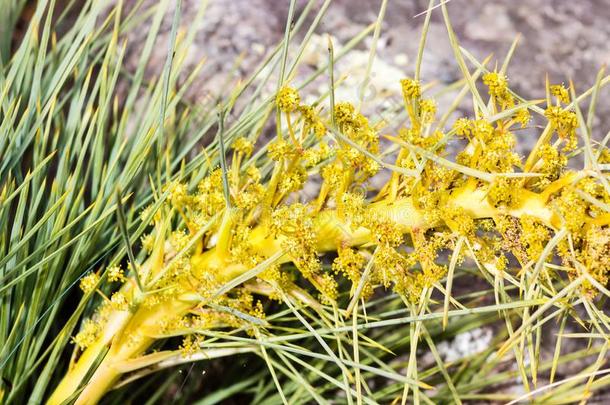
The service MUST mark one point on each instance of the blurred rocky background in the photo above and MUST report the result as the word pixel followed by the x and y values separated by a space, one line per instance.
pixel 566 39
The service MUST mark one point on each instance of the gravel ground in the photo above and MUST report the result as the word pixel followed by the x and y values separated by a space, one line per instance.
pixel 564 38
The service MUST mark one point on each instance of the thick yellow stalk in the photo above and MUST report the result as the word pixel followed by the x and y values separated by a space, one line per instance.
pixel 126 335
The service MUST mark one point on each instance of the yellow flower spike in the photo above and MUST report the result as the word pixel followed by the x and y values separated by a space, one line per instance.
pixel 250 197
pixel 463 127
pixel 311 157
pixel 596 254
pixel 178 193
pixel 384 231
pixel 287 100
pixel 501 192
pixel 328 287
pixel 148 242
pixel 351 208
pixel 253 173
pixel 572 210
pixel 501 263
pixel 312 121
pixel 552 164
pixel 483 130
pixel 308 114
pixel 293 180
pixel 604 156
pixel 191 344
pixel 332 174
pixel 349 262
pixel 319 129
pixel 344 113
pixel 459 221
pixel 240 252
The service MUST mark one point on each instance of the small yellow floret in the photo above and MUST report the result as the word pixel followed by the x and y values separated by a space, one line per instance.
pixel 115 273
pixel 559 91
pixel 287 99
pixel 119 301
pixel 411 89
pixel 244 146
pixel 565 123
pixel 86 337
pixel 498 88
pixel 89 282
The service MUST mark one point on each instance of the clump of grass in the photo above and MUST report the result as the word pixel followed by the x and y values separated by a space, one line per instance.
pixel 337 295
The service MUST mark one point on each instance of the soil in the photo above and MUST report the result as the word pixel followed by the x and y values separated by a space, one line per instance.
pixel 565 39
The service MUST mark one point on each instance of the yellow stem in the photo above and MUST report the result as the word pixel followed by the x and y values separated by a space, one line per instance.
pixel 126 334
pixel 291 131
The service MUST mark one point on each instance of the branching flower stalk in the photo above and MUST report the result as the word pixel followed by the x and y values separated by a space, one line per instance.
pixel 485 197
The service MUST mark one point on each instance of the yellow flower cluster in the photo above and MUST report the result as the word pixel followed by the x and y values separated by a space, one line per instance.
pixel 89 282
pixel 427 111
pixel 553 163
pixel 281 149
pixel 178 194
pixel 312 121
pixel 502 192
pixel 243 146
pixel 115 274
pixel 411 89
pixel 534 236
pixel 287 99
pixel 191 344
pixel 313 156
pixel 119 301
pixel 350 262
pixel 357 128
pixel 523 117
pixel 595 254
pixel 350 208
pixel 479 130
pixel 493 148
pixel 560 92
pixel 564 122
pixel 458 220
pixel 497 84
pixel 295 223
pixel 88 333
